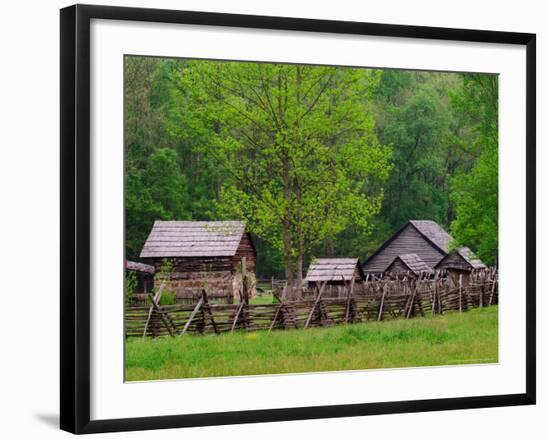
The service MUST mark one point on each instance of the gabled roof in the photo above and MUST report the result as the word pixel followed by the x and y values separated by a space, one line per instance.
pixel 413 262
pixel 193 239
pixel 138 266
pixel 470 257
pixel 434 233
pixel 333 269
pixel 467 255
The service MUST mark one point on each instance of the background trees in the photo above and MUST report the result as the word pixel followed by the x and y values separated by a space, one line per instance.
pixel 475 192
pixel 316 159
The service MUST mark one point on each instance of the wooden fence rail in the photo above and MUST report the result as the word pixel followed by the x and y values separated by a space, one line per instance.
pixel 381 299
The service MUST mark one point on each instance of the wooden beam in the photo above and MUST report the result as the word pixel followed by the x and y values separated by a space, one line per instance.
pixel 411 305
pixel 192 316
pixel 241 306
pixel 381 309
pixel 460 292
pixel 158 294
pixel 318 298
pixel 161 313
pixel 492 290
pixel 348 302
pixel 206 306
pixel 275 318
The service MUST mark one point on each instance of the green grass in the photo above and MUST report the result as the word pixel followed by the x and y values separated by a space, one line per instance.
pixel 265 298
pixel 471 337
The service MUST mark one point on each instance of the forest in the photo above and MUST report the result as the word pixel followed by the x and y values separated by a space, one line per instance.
pixel 317 160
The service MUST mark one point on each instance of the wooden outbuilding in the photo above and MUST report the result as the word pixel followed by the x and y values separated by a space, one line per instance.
pixel 338 273
pixel 462 259
pixel 145 275
pixel 209 255
pixel 410 264
pixel 425 238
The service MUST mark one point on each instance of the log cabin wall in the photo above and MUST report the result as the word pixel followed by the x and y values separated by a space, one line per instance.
pixel 397 267
pixel 220 276
pixel 205 255
pixel 190 275
pixel 409 240
pixel 454 260
pixel 245 250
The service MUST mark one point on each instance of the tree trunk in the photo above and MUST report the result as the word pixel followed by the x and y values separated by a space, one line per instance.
pixel 298 192
pixel 299 267
pixel 287 232
pixel 287 251
pixel 329 246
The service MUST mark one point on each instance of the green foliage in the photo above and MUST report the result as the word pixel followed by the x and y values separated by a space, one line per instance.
pixel 130 285
pixel 264 299
pixel 415 118
pixel 155 192
pixel 423 341
pixel 475 193
pixel 299 145
pixel 317 160
pixel 167 297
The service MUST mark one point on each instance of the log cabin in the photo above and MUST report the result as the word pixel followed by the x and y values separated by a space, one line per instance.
pixel 425 238
pixel 338 273
pixel 410 264
pixel 210 255
pixel 460 261
pixel 144 276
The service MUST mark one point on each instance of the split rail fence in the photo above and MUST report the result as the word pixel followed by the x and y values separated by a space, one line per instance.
pixel 374 300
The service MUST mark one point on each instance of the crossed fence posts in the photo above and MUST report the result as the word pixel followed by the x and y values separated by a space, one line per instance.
pixel 377 299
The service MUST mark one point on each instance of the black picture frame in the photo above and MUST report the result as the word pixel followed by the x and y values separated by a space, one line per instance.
pixel 75 217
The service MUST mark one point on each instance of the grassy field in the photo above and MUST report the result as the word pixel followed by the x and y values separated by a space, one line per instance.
pixel 453 338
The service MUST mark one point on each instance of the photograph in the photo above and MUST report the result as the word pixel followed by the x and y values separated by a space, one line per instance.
pixel 294 218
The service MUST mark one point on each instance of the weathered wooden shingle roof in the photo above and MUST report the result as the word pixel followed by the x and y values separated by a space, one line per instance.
pixel 402 242
pixel 193 239
pixel 461 259
pixel 332 269
pixel 434 232
pixel 470 257
pixel 413 262
pixel 138 266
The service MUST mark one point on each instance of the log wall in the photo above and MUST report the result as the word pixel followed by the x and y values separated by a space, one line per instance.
pixel 409 240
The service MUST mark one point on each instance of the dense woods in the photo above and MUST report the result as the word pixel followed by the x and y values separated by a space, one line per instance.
pixel 317 160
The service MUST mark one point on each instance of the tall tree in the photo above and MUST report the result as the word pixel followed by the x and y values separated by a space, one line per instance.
pixel 156 192
pixel 414 117
pixel 476 192
pixel 296 152
pixel 300 146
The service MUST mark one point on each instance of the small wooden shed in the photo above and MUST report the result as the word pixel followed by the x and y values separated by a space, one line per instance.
pixel 338 273
pixel 461 260
pixel 210 255
pixel 409 263
pixel 425 238
pixel 145 279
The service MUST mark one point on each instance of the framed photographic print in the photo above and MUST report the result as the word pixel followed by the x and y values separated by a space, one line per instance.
pixel 267 218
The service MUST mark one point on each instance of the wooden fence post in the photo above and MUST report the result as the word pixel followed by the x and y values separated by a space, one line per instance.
pixel 154 298
pixel 460 292
pixel 348 301
pixel 198 306
pixel 384 298
pixel 239 310
pixel 315 303
pixel 492 290
pixel 381 306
